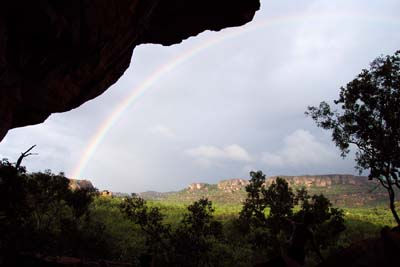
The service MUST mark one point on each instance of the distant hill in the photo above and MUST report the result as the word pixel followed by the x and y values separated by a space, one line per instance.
pixel 342 189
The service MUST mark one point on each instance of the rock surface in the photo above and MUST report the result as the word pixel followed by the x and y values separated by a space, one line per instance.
pixel 326 180
pixel 232 185
pixel 56 55
pixel 197 187
pixel 75 184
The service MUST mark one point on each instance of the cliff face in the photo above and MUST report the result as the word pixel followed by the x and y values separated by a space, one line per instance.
pixel 232 185
pixel 322 180
pixel 342 190
pixel 198 187
pixel 56 55
pixel 308 181
pixel 75 184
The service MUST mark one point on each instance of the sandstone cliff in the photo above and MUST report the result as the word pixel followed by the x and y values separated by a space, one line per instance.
pixel 326 180
pixel 232 185
pixel 198 187
pixel 341 189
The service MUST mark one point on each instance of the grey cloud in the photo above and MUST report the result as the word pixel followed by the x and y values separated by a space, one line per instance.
pixel 300 148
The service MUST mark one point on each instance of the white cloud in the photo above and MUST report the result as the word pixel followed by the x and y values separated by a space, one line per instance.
pixel 300 148
pixel 236 152
pixel 162 130
pixel 206 154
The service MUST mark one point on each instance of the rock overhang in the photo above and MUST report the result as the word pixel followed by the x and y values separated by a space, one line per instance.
pixel 56 55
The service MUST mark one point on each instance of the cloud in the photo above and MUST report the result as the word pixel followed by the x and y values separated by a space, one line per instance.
pixel 206 154
pixel 163 131
pixel 300 148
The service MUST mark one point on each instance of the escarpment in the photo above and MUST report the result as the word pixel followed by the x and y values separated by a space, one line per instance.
pixel 56 55
pixel 341 189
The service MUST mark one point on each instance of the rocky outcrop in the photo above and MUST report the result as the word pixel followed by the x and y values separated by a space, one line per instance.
pixel 308 181
pixel 56 55
pixel 75 184
pixel 322 180
pixel 232 185
pixel 198 187
pixel 342 190
pixel 327 180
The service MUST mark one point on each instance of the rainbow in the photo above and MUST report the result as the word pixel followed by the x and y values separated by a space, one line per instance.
pixel 175 62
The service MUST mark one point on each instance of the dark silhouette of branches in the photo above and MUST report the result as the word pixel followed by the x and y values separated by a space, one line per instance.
pixel 24 155
pixel 369 119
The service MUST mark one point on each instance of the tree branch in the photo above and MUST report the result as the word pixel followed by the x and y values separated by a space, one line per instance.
pixel 24 155
pixel 382 183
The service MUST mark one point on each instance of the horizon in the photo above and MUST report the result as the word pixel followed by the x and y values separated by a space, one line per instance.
pixel 183 187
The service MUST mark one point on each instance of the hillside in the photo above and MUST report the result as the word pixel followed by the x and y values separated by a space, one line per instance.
pixel 342 189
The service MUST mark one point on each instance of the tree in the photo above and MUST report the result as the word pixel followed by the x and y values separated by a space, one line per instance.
pixel 40 214
pixel 190 243
pixel 369 119
pixel 150 221
pixel 196 236
pixel 316 223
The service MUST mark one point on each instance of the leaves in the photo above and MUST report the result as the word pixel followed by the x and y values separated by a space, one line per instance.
pixel 320 222
pixel 368 117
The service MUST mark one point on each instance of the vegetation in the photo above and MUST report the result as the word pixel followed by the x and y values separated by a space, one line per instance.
pixel 369 120
pixel 40 215
pixel 314 226
pixel 342 191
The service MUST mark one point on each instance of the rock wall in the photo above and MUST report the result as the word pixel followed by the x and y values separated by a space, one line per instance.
pixel 198 187
pixel 56 55
pixel 75 184
pixel 236 184
pixel 232 185
pixel 322 180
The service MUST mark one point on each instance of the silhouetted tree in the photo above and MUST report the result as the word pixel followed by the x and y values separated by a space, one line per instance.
pixel 315 224
pixel 369 118
pixel 189 244
pixel 253 209
pixel 150 221
pixel 194 238
pixel 40 214
pixel 25 154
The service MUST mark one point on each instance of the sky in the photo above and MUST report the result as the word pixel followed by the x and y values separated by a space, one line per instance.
pixel 220 104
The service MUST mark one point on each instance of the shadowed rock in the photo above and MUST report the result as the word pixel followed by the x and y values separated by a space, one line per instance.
pixel 56 55
pixel 75 184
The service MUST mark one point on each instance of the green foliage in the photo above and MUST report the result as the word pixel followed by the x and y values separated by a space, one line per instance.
pixel 150 221
pixel 369 119
pixel 40 214
pixel 197 234
pixel 314 224
pixel 192 241
pixel 128 243
pixel 253 208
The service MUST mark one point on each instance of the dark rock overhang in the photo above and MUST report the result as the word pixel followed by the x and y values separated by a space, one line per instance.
pixel 56 55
